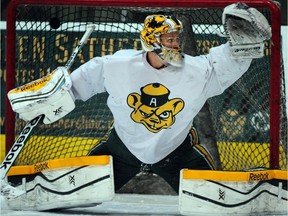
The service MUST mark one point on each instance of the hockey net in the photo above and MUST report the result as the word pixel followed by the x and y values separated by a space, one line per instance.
pixel 249 119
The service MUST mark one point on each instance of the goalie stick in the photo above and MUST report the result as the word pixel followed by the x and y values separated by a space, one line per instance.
pixel 18 145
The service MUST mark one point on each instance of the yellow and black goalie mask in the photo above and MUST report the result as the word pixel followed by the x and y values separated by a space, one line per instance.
pixel 154 27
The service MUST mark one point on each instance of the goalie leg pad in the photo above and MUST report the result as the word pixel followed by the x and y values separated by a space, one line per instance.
pixel 232 193
pixel 66 187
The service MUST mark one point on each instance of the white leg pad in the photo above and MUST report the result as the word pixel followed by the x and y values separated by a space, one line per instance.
pixel 66 187
pixel 232 197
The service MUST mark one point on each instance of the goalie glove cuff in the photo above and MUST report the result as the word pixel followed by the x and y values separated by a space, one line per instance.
pixel 247 51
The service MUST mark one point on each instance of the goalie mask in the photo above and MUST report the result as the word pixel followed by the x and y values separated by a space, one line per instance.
pixel 154 27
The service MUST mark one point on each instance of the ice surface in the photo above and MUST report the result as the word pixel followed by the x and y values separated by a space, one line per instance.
pixel 122 204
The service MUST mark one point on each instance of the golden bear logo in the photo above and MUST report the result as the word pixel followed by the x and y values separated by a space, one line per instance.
pixel 153 109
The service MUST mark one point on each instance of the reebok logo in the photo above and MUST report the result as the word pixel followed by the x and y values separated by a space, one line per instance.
pixel 19 143
pixel 259 176
pixel 33 84
pixel 41 166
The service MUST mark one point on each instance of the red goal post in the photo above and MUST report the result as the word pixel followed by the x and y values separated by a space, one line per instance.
pixel 275 107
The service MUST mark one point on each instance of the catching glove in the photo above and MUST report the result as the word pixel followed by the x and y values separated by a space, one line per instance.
pixel 247 29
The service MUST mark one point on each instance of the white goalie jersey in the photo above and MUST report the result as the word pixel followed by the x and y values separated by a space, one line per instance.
pixel 153 109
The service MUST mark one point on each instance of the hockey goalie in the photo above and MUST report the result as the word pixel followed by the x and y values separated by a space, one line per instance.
pixel 154 95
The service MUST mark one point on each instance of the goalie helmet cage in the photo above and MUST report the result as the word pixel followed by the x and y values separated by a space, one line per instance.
pixel 249 118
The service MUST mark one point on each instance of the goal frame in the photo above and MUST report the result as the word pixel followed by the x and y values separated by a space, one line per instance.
pixel 275 66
